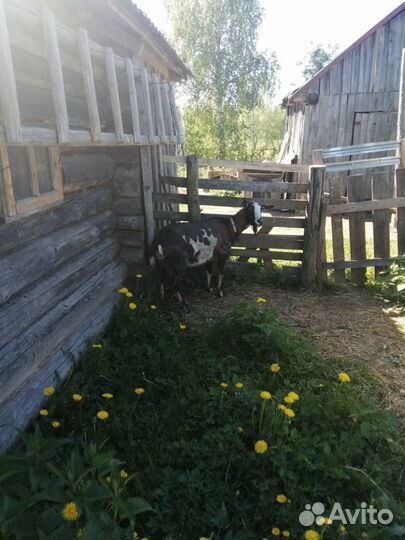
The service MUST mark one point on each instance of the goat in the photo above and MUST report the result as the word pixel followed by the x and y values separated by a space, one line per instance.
pixel 183 245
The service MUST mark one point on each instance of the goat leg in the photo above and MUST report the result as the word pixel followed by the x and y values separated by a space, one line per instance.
pixel 221 268
pixel 208 273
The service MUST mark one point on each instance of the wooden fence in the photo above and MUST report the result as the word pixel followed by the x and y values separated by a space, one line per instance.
pixel 363 215
pixel 299 245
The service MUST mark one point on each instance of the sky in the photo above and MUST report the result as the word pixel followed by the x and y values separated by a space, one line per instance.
pixel 289 28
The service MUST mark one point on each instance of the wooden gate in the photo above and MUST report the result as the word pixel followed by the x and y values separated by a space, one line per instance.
pixel 291 222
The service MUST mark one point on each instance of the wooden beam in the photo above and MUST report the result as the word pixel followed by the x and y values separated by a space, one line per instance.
pixel 178 122
pixel 192 189
pixel 89 85
pixel 8 90
pixel 167 110
pixel 147 105
pixel 114 93
pixel 133 100
pixel 159 108
pixel 401 113
pixel 364 263
pixel 7 183
pixel 356 192
pixel 310 260
pixel 250 166
pixel 380 187
pixel 240 185
pixel 56 74
pixel 147 190
pixel 400 181
pixel 349 208
pixel 33 170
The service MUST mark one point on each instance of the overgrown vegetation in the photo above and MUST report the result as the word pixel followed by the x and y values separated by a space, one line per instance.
pixel 390 284
pixel 221 433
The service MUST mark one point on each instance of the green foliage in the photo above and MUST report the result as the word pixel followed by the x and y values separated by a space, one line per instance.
pixel 391 283
pixel 181 443
pixel 317 58
pixel 218 40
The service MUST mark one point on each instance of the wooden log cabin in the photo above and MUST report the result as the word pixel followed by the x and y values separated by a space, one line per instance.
pixel 353 100
pixel 87 109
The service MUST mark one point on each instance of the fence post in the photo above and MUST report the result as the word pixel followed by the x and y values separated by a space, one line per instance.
pixel 400 192
pixel 193 199
pixel 147 191
pixel 313 228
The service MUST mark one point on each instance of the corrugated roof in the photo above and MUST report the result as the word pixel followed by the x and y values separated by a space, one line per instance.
pixel 159 39
pixel 324 70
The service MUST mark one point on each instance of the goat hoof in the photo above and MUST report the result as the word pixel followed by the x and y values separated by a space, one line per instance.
pixel 220 294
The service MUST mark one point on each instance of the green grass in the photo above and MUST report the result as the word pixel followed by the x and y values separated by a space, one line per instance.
pixel 181 444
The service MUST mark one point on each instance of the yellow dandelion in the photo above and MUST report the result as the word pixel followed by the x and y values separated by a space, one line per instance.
pixel 289 412
pixel 275 531
pixel 261 300
pixel 328 521
pixel 139 391
pixel 224 385
pixel 311 535
pixel 344 377
pixel 44 412
pixel 342 530
pixel 275 368
pixel 70 512
pixel 123 290
pixel 123 474
pixel 49 391
pixel 153 307
pixel 240 429
pixel 182 326
pixel 77 397
pixel 261 447
pixel 289 400
pixel 97 346
pixel 282 407
pixel 139 276
pixel 282 499
pixel 129 294
pixel 239 386
pixel 102 415
pixel 132 306
pixel 265 395
pixel 55 424
pixel 294 396
pixel 286 534
pixel 107 395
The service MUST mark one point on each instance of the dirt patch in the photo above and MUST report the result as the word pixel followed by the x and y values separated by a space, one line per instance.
pixel 349 324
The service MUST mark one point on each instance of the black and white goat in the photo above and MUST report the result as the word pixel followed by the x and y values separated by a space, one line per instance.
pixel 184 245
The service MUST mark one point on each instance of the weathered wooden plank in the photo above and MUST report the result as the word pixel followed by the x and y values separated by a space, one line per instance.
pixel 366 263
pixel 234 202
pixel 267 254
pixel 401 113
pixel 147 190
pixel 400 190
pixel 129 238
pixel 6 183
pixel 356 192
pixel 381 189
pixel 72 210
pixel 40 257
pixel 29 305
pixel 276 241
pixel 337 225
pixel 313 227
pixel 56 74
pixel 335 209
pixel 167 111
pixel 192 183
pixel 133 99
pixel 147 105
pixel 83 170
pixel 22 355
pixel 132 255
pixel 8 89
pixel 240 185
pixel 25 401
pixel 114 93
pixel 127 206
pixel 131 223
pixel 250 165
pixel 89 85
pixel 161 128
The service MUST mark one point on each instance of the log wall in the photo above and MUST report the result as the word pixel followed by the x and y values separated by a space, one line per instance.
pixel 59 274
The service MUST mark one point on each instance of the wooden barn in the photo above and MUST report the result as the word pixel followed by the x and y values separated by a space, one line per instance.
pixel 351 101
pixel 87 110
